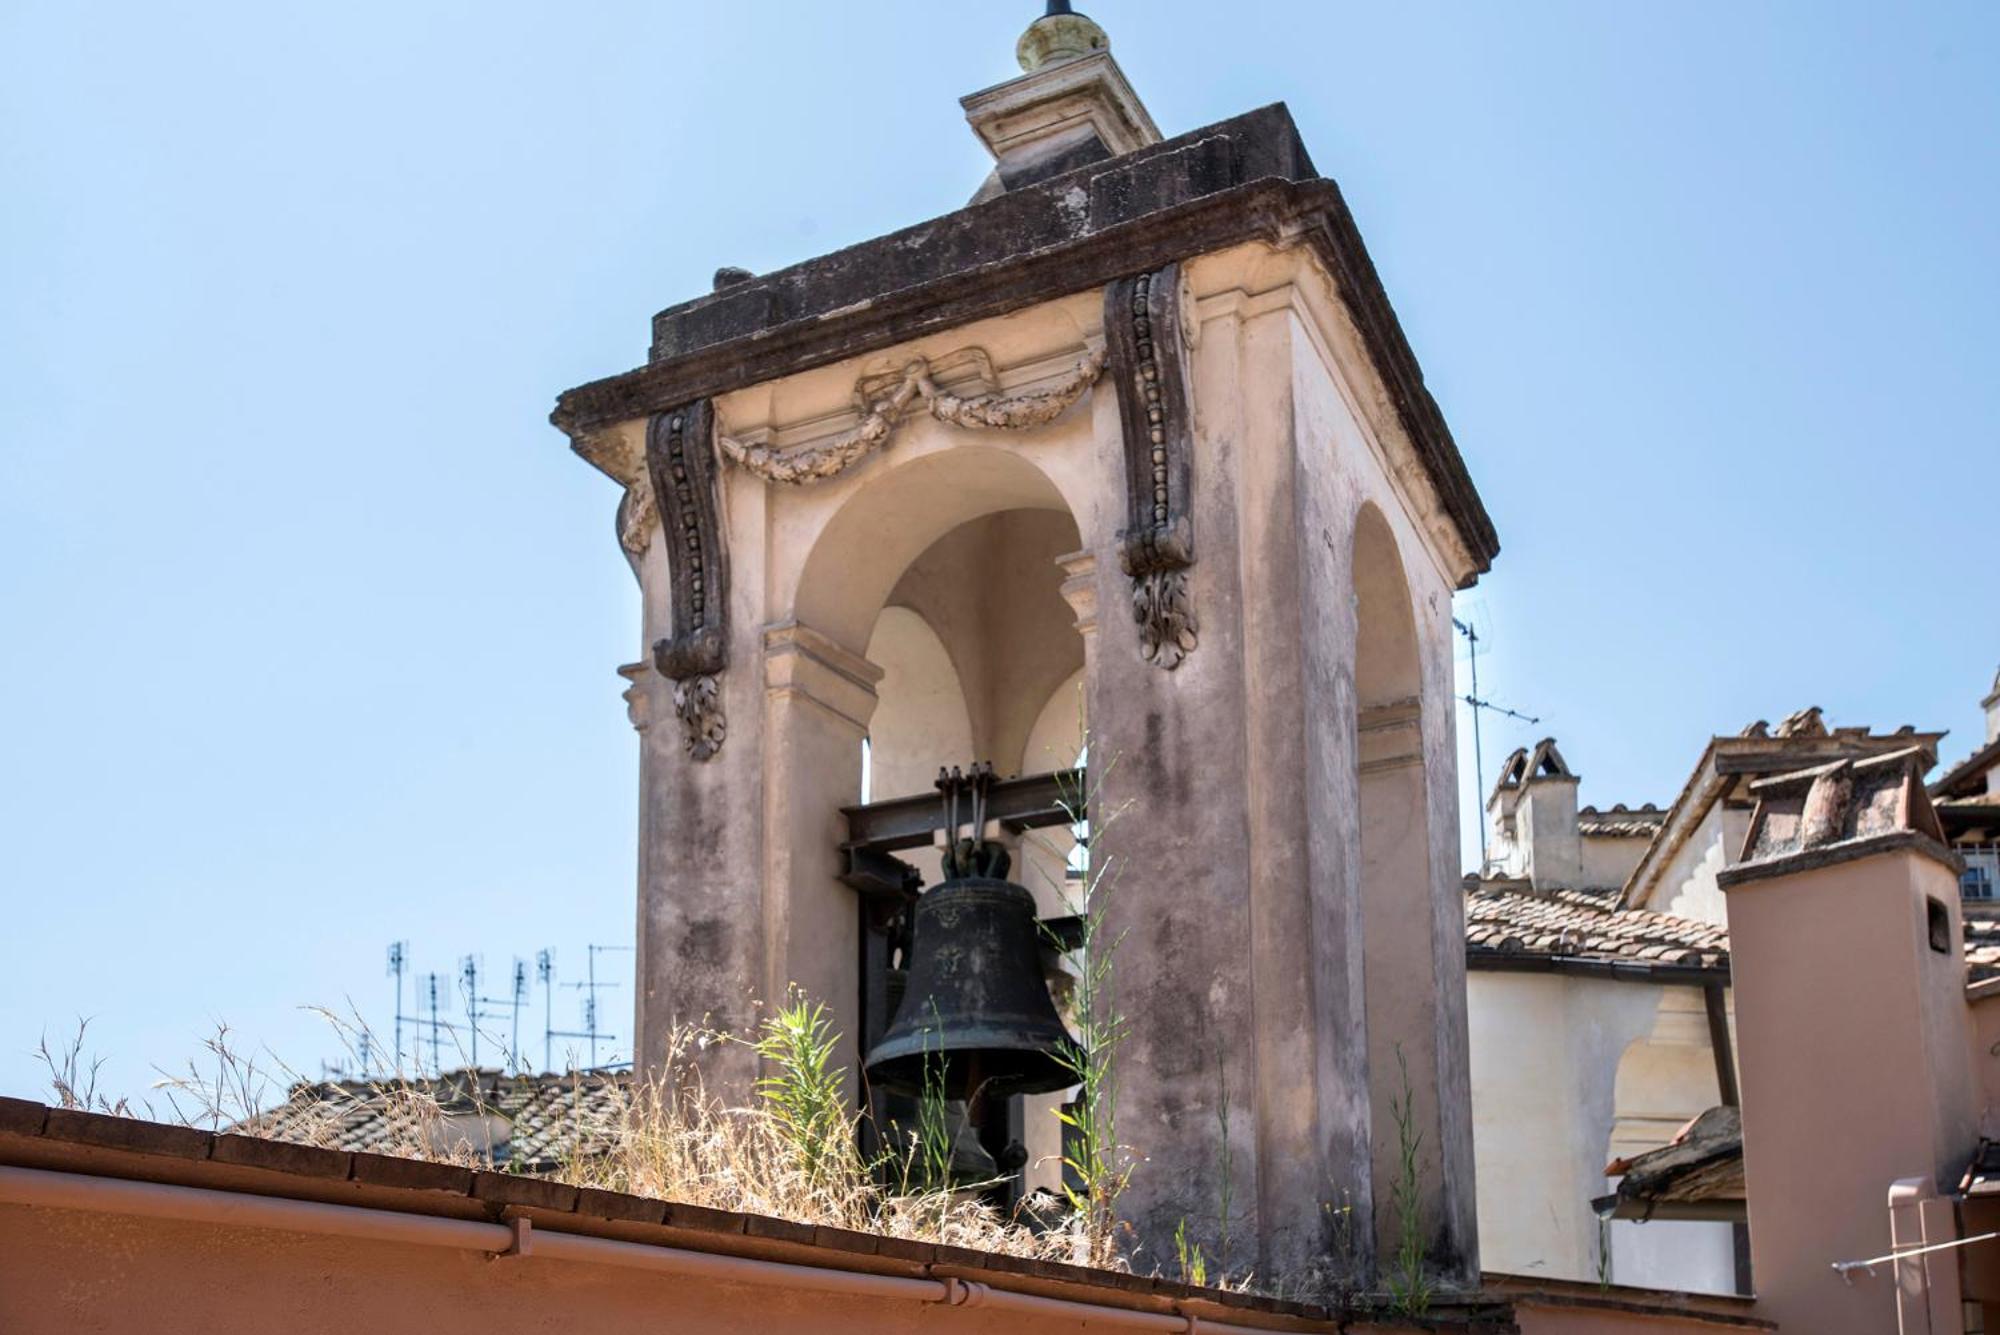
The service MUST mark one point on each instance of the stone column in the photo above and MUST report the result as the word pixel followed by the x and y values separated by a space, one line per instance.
pixel 819 697
pixel 701 950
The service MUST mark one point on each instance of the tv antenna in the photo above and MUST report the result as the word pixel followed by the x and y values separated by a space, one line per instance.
pixel 399 964
pixel 545 972
pixel 509 1007
pixel 434 984
pixel 1479 706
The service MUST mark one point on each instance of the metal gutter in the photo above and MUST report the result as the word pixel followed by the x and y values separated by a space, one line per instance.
pixel 1622 971
pixel 518 1238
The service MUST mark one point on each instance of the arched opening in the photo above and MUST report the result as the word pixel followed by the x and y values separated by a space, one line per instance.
pixel 946 571
pixel 1665 1079
pixel 1396 909
pixel 864 550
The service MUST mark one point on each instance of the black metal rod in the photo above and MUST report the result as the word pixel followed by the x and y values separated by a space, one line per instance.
pixel 1033 802
pixel 1714 1001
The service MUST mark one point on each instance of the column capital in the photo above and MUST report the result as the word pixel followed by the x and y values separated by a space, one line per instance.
pixel 1079 589
pixel 639 695
pixel 801 663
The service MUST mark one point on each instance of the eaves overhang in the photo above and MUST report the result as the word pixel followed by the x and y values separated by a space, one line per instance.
pixel 1241 180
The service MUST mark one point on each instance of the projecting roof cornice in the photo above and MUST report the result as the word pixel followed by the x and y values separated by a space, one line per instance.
pixel 1245 179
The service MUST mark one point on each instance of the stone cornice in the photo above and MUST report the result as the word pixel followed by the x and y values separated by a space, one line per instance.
pixel 1247 179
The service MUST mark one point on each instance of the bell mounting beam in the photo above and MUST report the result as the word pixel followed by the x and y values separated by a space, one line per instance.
pixel 1031 802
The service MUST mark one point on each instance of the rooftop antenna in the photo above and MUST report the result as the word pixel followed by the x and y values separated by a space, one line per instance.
pixel 520 998
pixel 399 964
pixel 545 974
pixel 1479 705
pixel 479 1007
pixel 468 975
pixel 437 1064
pixel 591 1032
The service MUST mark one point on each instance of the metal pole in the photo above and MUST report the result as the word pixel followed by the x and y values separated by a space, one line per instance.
pixel 1478 750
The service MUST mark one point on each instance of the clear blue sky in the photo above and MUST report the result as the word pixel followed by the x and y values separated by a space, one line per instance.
pixel 308 618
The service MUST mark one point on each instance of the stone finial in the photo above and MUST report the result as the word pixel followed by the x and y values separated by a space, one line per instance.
pixel 1057 36
pixel 1073 106
pixel 1807 722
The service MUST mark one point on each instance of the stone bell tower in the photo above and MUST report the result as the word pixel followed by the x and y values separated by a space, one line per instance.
pixel 1134 437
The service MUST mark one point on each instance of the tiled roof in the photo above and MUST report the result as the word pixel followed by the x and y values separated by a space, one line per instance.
pixel 1701 1165
pixel 543 1119
pixel 1621 821
pixel 1968 777
pixel 1508 917
pixel 1982 949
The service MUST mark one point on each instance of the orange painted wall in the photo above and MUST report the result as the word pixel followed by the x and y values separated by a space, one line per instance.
pixel 101 1274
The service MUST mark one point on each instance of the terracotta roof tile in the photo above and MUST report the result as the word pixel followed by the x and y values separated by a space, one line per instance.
pixel 1982 949
pixel 1620 822
pixel 1509 917
pixel 548 1118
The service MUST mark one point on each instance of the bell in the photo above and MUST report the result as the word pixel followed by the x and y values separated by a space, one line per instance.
pixel 968 1164
pixel 976 1011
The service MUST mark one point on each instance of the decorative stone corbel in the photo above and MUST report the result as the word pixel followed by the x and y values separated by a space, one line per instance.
pixel 1148 345
pixel 680 466
pixel 624 460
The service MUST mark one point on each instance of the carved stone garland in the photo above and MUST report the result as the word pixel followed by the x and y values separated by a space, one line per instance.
pixel 680 467
pixel 1013 412
pixel 1142 324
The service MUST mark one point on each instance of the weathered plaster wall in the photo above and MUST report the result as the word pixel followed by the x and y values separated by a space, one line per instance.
pixel 1850 1088
pixel 1414 968
pixel 1558 1064
pixel 1608 861
pixel 1687 887
pixel 1546 819
pixel 1545 1051
pixel 1984 1058
pixel 921 720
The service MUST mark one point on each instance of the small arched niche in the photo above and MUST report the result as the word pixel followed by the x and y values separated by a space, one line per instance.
pixel 1396 906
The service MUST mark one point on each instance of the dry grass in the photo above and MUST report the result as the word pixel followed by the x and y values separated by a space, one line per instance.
pixel 664 1137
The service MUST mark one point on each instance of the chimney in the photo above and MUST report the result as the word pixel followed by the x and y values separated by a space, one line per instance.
pixel 1852 1027
pixel 1991 704
pixel 1533 811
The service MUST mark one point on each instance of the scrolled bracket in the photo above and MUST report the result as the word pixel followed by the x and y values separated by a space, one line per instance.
pixel 680 468
pixel 1147 342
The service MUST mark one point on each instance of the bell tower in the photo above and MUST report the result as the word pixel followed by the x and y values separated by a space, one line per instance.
pixel 1131 448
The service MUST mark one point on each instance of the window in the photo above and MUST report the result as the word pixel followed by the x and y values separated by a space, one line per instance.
pixel 1976 882
pixel 1940 925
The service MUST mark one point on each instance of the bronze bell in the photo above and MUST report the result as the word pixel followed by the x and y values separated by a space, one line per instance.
pixel 977 1007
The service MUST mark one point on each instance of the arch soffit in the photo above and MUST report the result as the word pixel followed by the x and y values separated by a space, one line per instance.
pixel 866 532
pixel 1388 667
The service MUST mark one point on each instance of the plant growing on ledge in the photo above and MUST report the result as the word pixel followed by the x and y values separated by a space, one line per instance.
pixel 1096 1167
pixel 1409 1286
pixel 803 1095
